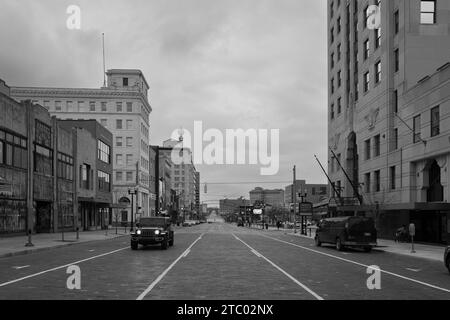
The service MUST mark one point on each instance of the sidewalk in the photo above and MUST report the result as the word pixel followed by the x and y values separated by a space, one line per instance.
pixel 13 246
pixel 424 251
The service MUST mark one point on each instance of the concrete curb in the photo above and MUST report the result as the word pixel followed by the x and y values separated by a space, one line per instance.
pixel 34 250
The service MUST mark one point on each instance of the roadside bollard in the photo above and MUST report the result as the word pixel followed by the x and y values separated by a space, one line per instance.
pixel 29 244
pixel 412 245
pixel 78 233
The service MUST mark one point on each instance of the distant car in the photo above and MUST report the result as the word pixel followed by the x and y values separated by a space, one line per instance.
pixel 347 232
pixel 151 231
pixel 447 258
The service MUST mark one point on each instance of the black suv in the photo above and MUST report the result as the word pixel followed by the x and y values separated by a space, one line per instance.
pixel 153 230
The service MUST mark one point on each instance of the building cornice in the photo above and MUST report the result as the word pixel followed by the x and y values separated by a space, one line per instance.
pixel 77 93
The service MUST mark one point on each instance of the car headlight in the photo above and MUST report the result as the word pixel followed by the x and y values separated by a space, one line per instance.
pixel 138 232
pixel 157 232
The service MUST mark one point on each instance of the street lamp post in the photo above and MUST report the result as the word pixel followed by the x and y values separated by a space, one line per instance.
pixel 132 192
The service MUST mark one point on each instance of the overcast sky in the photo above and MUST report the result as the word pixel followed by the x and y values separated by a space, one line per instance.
pixel 230 63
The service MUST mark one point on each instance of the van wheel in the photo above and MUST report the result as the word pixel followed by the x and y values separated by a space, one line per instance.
pixel 367 249
pixel 134 245
pixel 339 246
pixel 317 240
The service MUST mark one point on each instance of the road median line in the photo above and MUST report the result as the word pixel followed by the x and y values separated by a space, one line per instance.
pixel 315 295
pixel 165 272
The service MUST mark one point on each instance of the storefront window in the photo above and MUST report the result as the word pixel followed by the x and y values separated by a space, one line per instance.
pixel 12 216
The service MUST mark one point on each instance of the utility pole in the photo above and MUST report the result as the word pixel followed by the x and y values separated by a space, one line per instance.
pixel 294 198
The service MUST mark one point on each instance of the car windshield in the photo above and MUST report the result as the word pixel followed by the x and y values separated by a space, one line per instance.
pixel 153 222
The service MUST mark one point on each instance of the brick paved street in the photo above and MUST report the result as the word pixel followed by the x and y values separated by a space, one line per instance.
pixel 220 261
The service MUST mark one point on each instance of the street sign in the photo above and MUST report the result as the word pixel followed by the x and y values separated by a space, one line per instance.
pixel 306 209
pixel 257 211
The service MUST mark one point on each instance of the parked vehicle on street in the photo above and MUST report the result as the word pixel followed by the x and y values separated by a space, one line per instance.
pixel 347 232
pixel 152 231
pixel 447 258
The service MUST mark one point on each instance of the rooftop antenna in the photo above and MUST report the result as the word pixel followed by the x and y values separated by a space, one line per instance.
pixel 104 71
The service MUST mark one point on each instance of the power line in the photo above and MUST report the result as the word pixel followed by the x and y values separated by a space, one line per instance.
pixel 246 183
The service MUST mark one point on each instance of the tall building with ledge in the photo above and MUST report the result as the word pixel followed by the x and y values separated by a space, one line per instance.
pixel 123 108
pixel 388 93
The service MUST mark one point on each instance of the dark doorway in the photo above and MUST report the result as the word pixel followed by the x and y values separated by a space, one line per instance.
pixel 435 190
pixel 43 217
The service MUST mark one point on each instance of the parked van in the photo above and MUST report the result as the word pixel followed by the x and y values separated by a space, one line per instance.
pixel 347 232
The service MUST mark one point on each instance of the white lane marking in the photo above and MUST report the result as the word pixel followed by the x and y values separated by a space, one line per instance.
pixel 281 270
pixel 60 267
pixel 186 253
pixel 21 267
pixel 413 270
pixel 256 253
pixel 162 275
pixel 361 264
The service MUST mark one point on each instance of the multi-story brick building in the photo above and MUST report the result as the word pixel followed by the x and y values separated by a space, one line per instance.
pixel 94 149
pixel 232 206
pixel 315 193
pixel 375 77
pixel 36 169
pixel 123 108
pixel 274 198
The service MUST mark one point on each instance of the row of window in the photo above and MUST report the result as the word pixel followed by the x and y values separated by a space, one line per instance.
pixel 86 179
pixel 339 20
pixel 120 142
pixel 428 15
pixel 82 106
pixel 128 175
pixel 372 180
pixel 374 152
pixel 128 158
pixel 13 150
pixel 435 128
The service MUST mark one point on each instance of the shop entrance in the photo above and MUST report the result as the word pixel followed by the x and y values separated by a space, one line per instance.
pixel 435 191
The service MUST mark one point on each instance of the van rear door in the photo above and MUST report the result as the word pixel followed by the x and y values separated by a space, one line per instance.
pixel 361 230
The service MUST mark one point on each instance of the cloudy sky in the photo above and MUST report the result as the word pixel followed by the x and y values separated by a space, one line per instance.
pixel 230 63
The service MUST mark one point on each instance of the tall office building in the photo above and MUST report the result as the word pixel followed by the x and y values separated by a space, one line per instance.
pixel 185 180
pixel 123 108
pixel 374 124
